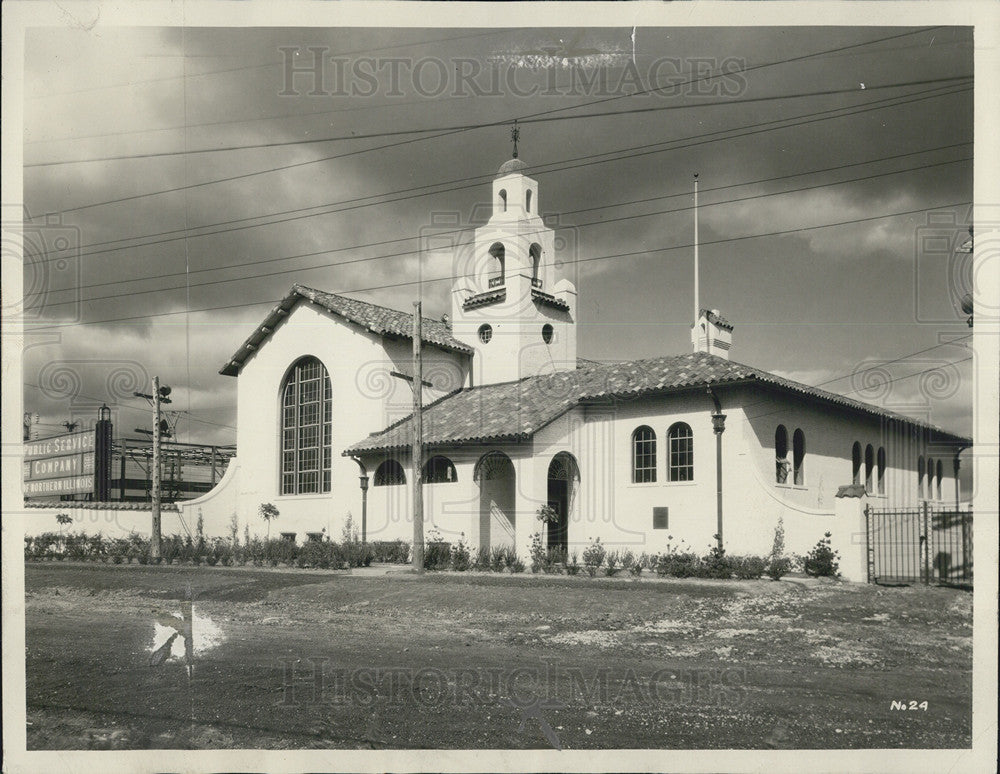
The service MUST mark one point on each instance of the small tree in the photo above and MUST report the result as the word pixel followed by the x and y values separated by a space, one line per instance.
pixel 267 513
pixel 63 519
pixel 778 564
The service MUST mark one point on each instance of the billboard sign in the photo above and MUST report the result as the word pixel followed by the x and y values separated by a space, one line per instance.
pixel 61 465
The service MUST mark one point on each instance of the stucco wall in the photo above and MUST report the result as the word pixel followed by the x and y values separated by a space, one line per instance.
pixel 365 399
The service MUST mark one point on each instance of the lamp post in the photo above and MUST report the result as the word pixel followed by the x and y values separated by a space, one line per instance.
pixel 718 427
pixel 364 507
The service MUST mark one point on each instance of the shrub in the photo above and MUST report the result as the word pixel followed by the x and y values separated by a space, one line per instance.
pixel 633 564
pixel 612 563
pixel 593 557
pixel 678 565
pixel 537 551
pixel 573 566
pixel 280 551
pixel 716 564
pixel 822 560
pixel 511 561
pixel 498 558
pixel 437 552
pixel 554 561
pixel 481 560
pixel 76 547
pixel 356 554
pixel 778 567
pixel 749 567
pixel 390 551
pixel 29 551
pixel 170 548
pixel 461 557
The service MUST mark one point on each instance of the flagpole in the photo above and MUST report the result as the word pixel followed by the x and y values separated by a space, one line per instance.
pixel 697 308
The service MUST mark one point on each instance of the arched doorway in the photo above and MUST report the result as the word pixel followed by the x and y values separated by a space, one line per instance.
pixel 563 483
pixel 496 478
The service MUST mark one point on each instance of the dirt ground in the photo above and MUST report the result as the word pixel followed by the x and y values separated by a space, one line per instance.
pixel 303 659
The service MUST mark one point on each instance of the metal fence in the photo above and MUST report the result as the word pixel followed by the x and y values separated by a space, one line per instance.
pixel 919 545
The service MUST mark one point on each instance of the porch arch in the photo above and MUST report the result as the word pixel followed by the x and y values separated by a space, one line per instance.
pixel 495 475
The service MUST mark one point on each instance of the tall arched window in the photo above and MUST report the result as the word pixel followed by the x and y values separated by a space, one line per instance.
pixel 930 478
pixel 643 455
pixel 503 199
pixel 781 455
pixel 869 468
pixel 389 473
pixel 497 267
pixel 527 201
pixel 940 477
pixel 535 253
pixel 920 477
pixel 680 462
pixel 856 463
pixel 439 470
pixel 880 462
pixel 306 414
pixel 799 457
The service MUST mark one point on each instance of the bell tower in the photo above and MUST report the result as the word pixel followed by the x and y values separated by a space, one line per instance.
pixel 507 303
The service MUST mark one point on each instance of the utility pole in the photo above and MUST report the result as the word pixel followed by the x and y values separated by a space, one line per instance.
pixel 418 443
pixel 154 542
pixel 697 310
pixel 159 396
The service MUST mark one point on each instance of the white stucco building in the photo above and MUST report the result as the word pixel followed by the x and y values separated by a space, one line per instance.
pixel 639 453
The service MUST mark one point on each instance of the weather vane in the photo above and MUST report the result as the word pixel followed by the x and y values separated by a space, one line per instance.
pixel 515 135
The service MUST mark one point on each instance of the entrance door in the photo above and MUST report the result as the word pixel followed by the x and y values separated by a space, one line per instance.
pixel 563 482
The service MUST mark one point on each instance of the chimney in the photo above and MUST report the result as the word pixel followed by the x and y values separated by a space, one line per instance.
pixel 712 334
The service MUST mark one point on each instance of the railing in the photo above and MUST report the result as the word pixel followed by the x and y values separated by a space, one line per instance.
pixel 495 282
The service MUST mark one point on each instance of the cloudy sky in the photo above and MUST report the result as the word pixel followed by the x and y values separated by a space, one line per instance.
pixel 190 184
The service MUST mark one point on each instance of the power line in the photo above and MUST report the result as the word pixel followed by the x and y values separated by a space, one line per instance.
pixel 409 252
pixel 487 124
pixel 379 243
pixel 578 260
pixel 120 403
pixel 522 118
pixel 587 160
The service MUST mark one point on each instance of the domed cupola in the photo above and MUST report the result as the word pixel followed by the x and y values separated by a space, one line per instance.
pixel 511 166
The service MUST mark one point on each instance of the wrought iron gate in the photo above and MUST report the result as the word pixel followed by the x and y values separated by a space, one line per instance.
pixel 919 545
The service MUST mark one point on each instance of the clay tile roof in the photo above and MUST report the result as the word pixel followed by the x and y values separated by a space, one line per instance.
pixel 378 319
pixel 514 411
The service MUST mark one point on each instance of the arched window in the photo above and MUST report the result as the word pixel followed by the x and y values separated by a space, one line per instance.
pixel 781 455
pixel 503 199
pixel 389 473
pixel 869 468
pixel 535 253
pixel 930 478
pixel 527 201
pixel 498 252
pixel 880 462
pixel 799 457
pixel 920 477
pixel 940 477
pixel 439 470
pixel 643 455
pixel 306 413
pixel 856 463
pixel 680 461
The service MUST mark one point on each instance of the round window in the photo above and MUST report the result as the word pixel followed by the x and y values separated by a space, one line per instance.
pixel 485 333
pixel 547 333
